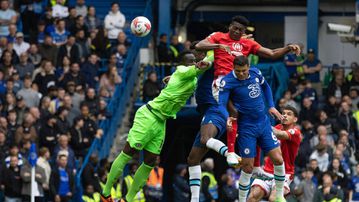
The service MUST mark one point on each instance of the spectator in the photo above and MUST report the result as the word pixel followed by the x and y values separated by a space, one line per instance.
pixel 327 191
pixel 92 101
pixel 339 176
pixel 12 124
pixel 20 46
pixel 312 67
pixel 60 34
pixel 7 16
pixel 353 67
pixel 79 141
pixel 57 95
pixel 3 147
pixel 310 93
pixel 110 79
pixel 127 182
pixel 346 121
pixel 89 71
pixel 44 108
pixel 354 95
pixel 331 108
pixel 34 55
pixel 100 45
pixel 76 94
pixel 151 87
pixel 49 133
pixel 121 56
pixel 59 10
pixel 3 44
pixel 62 181
pixel 83 43
pixel 90 195
pixel 90 126
pixel 18 83
pixel 12 181
pixel 81 8
pixel 63 148
pixel 38 36
pixel 353 186
pixel 175 47
pixel 74 76
pixel 307 111
pixel 322 119
pixel 338 153
pixel 43 162
pixel 322 157
pixel 12 33
pixel 64 68
pixel 91 21
pixel 305 190
pixel 27 131
pixel 73 111
pixel 46 78
pixel 122 40
pixel 89 175
pixel 40 178
pixel 293 62
pixel 337 87
pixel 6 64
pixel 114 21
pixel 61 122
pixel 209 185
pixel 70 49
pixel 48 50
pixel 71 20
pixel 79 25
pixel 163 52
pixel 20 109
pixel 14 151
pixel 289 100
pixel 154 186
pixel 14 55
pixel 181 189
pixel 24 67
pixel 229 193
pixel 103 112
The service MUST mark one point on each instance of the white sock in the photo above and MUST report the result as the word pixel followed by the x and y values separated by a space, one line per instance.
pixel 244 185
pixel 195 182
pixel 217 146
pixel 279 177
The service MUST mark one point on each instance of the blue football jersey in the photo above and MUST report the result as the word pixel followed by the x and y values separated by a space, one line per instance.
pixel 246 95
pixel 204 88
pixel 354 186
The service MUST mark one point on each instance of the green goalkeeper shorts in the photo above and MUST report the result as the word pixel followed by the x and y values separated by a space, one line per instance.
pixel 147 132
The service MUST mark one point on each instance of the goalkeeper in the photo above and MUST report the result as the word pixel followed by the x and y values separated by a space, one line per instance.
pixel 148 130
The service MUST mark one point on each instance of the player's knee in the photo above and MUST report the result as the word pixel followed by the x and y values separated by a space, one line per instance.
pixel 255 195
pixel 192 160
pixel 277 160
pixel 151 161
pixel 247 167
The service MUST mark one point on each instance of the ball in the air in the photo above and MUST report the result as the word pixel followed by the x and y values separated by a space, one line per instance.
pixel 140 26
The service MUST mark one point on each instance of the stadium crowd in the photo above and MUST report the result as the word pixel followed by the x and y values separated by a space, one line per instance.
pixel 59 66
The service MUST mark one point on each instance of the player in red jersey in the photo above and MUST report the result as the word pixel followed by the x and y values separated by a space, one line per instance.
pixel 226 47
pixel 290 138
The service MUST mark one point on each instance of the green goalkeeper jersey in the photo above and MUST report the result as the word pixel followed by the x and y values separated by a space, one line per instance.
pixel 180 87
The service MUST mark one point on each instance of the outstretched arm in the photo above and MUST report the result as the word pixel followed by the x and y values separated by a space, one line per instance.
pixel 206 45
pixel 269 97
pixel 279 52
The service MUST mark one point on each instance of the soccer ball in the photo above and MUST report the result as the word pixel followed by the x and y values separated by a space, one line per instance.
pixel 140 26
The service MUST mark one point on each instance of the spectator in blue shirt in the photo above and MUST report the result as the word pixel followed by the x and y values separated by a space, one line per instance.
pixel 354 186
pixel 59 36
pixel 312 67
pixel 12 32
pixel 7 16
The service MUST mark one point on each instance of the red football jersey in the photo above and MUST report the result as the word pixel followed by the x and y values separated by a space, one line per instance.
pixel 223 62
pixel 289 149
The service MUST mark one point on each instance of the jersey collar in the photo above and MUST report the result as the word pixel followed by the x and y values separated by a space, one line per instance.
pixel 235 76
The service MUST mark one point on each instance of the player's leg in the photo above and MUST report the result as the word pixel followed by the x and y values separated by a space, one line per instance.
pixel 247 148
pixel 194 169
pixel 141 175
pixel 232 135
pixel 151 151
pixel 270 145
pixel 117 168
pixel 259 190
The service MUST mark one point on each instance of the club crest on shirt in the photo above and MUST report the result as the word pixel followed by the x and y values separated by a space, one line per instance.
pixel 255 90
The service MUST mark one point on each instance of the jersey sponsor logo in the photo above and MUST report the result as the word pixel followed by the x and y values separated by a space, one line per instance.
pixel 247 151
pixel 237 47
pixel 257 80
pixel 291 131
pixel 255 90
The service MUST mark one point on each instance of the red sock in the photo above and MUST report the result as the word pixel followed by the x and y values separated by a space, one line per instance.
pixel 257 159
pixel 231 136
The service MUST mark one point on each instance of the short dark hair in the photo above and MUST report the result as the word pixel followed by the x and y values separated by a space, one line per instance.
pixel 241 20
pixel 183 54
pixel 113 3
pixel 291 108
pixel 240 60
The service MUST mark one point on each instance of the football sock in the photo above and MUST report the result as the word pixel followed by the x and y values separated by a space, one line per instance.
pixel 231 136
pixel 217 146
pixel 115 172
pixel 195 182
pixel 139 181
pixel 244 185
pixel 279 177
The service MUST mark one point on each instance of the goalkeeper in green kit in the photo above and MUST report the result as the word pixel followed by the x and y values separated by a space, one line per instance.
pixel 148 130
